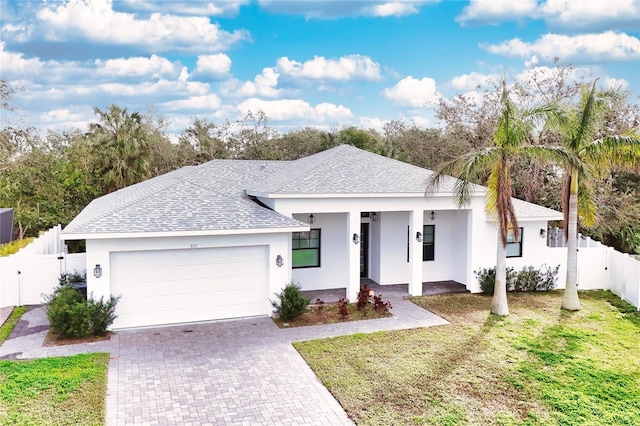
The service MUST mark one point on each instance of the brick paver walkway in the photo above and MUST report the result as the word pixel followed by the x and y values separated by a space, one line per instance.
pixel 242 372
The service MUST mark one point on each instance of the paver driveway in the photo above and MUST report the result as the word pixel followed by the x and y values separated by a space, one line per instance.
pixel 230 372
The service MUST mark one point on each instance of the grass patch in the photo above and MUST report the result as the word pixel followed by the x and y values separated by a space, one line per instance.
pixel 61 390
pixel 11 322
pixel 539 365
pixel 328 314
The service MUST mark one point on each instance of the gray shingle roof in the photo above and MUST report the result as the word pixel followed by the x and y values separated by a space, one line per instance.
pixel 348 170
pixel 212 197
pixel 202 198
pixel 526 210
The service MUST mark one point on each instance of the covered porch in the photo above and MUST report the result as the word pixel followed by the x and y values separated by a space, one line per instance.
pixel 426 250
pixel 394 290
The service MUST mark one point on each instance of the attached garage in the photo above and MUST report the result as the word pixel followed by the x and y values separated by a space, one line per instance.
pixel 188 285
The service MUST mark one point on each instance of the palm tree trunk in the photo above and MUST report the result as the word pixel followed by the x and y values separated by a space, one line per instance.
pixel 499 304
pixel 570 299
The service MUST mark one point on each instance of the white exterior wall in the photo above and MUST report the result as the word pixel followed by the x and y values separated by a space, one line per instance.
pixel 450 261
pixel 98 252
pixel 334 245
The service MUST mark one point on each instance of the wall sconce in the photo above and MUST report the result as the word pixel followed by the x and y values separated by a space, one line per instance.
pixel 97 271
pixel 432 215
pixel 374 217
pixel 279 261
pixel 419 236
pixel 356 239
pixel 543 233
pixel 312 219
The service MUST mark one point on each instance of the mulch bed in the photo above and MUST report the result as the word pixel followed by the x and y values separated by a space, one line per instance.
pixel 53 339
pixel 328 314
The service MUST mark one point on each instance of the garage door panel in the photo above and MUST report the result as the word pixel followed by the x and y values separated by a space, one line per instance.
pixel 203 285
pixel 172 286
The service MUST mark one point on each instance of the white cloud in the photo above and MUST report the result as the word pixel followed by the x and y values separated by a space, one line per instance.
pixel 296 109
pixel 345 68
pixel 372 123
pixel 394 8
pixel 203 102
pixel 413 92
pixel 196 8
pixel 572 14
pixel 65 115
pixel 96 20
pixel 493 12
pixel 15 65
pixel 213 65
pixel 607 47
pixel 152 67
pixel 587 14
pixel 472 81
pixel 323 9
pixel 263 85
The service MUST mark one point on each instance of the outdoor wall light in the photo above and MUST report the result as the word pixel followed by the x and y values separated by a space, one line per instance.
pixel 312 219
pixel 356 239
pixel 374 217
pixel 97 271
pixel 279 261
pixel 419 236
pixel 543 233
pixel 432 215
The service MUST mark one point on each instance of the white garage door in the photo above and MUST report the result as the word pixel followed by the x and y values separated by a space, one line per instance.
pixel 173 286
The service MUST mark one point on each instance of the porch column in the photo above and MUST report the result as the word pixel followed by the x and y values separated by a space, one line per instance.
pixel 353 227
pixel 415 279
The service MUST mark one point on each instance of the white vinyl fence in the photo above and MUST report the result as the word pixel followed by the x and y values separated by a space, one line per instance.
pixel 35 269
pixel 601 267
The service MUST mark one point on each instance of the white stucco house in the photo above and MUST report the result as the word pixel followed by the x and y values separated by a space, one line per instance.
pixel 217 240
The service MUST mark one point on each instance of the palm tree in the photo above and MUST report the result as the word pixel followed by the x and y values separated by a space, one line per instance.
pixel 511 140
pixel 597 156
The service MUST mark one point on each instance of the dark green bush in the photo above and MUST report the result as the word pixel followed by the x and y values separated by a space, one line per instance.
pixel 527 279
pixel 487 278
pixel 102 314
pixel 292 302
pixel 530 279
pixel 70 278
pixel 70 315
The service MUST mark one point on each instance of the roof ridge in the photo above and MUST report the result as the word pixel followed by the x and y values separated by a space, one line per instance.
pixel 328 153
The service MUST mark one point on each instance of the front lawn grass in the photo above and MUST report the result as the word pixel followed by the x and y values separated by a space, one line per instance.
pixel 539 365
pixel 54 391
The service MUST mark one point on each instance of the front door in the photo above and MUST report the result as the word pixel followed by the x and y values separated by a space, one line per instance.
pixel 364 250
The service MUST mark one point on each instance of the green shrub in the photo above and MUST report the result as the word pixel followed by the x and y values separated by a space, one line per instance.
pixel 530 279
pixel 292 302
pixel 527 279
pixel 102 314
pixel 487 278
pixel 71 315
pixel 70 278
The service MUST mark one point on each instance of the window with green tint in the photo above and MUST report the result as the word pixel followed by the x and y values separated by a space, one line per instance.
pixel 305 249
pixel 514 248
pixel 428 242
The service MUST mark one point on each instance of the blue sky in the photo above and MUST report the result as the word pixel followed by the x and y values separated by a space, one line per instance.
pixel 325 64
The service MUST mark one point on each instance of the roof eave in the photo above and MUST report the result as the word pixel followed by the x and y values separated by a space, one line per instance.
pixel 272 195
pixel 212 232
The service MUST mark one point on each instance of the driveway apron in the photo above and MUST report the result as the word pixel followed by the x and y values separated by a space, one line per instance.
pixel 241 372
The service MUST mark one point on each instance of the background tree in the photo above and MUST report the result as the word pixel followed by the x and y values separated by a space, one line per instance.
pixel 120 145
